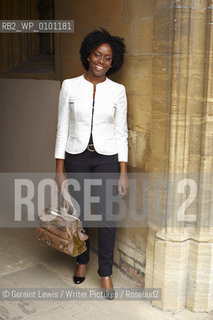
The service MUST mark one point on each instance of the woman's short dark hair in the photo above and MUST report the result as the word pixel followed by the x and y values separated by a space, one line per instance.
pixel 97 37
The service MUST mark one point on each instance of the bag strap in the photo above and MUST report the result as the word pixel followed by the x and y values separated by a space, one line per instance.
pixel 64 201
pixel 67 201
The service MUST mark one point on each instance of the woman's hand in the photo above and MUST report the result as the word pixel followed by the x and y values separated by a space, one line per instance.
pixel 123 184
pixel 61 181
pixel 62 187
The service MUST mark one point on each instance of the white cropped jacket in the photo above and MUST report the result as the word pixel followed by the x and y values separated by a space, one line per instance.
pixel 109 130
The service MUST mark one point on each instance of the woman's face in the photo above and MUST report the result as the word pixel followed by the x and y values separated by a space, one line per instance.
pixel 100 60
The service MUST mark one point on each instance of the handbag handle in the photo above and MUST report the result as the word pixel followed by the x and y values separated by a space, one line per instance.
pixel 68 203
pixel 65 200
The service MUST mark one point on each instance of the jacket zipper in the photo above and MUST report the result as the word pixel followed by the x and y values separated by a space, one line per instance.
pixel 93 104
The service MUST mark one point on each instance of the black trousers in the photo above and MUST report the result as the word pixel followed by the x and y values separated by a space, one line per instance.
pixel 92 165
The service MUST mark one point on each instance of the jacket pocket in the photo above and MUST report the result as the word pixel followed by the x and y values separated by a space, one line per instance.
pixel 72 110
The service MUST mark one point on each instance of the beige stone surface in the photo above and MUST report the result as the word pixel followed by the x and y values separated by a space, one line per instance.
pixel 141 39
pixel 138 79
pixel 183 273
pixel 136 9
pixel 137 149
pixel 139 116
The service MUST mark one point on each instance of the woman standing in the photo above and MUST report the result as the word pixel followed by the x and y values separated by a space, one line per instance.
pixel 92 135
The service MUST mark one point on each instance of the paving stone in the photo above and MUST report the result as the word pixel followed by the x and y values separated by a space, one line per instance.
pixel 53 314
pixel 188 315
pixel 38 276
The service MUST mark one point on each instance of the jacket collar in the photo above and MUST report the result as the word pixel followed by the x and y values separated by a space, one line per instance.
pixel 91 84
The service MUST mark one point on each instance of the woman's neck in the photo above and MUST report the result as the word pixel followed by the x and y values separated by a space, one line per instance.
pixel 95 80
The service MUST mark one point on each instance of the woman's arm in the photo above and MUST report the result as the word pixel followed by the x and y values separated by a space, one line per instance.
pixel 62 133
pixel 123 182
pixel 121 131
pixel 59 165
pixel 63 121
pixel 60 176
pixel 123 167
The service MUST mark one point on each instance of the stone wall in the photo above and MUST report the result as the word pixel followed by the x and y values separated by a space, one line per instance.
pixel 179 254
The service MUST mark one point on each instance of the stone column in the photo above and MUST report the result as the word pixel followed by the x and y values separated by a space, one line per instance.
pixel 179 256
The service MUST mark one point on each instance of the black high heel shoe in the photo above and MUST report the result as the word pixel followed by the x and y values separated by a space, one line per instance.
pixel 78 279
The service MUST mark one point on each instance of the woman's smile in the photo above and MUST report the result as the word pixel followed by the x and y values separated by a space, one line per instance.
pixel 99 68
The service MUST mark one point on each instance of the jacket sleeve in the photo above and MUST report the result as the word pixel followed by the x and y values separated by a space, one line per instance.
pixel 63 122
pixel 121 130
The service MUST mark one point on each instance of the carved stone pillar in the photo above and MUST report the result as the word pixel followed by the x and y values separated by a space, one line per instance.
pixel 179 257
